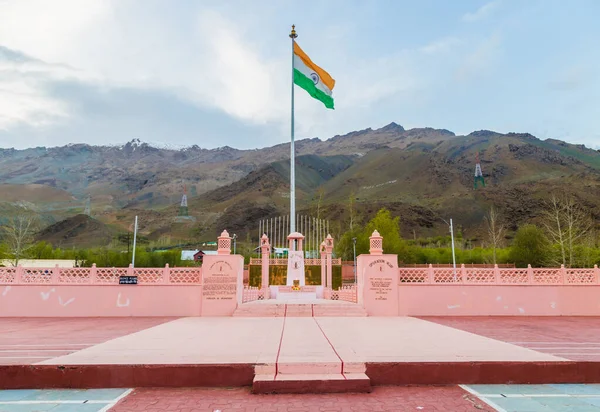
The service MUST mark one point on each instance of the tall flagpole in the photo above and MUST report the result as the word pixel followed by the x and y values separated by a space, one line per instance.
pixel 293 36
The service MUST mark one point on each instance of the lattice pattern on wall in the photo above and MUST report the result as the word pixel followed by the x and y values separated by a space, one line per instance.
pixel 250 294
pixel 149 275
pixel 449 275
pixel 513 276
pixel 480 275
pixel 347 293
pixel 185 275
pixel 547 276
pixel 36 275
pixel 376 244
pixel 7 275
pixel 225 244
pixel 413 275
pixel 74 275
pixel 580 276
pixel 110 275
pixel 283 261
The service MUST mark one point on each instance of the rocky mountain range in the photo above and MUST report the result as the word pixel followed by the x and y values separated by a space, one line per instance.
pixel 424 175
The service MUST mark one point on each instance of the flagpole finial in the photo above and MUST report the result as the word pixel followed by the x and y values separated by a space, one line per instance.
pixel 293 34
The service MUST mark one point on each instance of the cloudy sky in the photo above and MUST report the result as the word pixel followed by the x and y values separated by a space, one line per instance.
pixel 217 73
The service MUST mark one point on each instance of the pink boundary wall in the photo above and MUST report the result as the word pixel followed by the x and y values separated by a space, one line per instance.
pixel 99 301
pixel 217 289
pixel 494 300
pixel 474 291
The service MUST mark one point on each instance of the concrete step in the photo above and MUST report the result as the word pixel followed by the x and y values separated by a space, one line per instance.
pixel 299 310
pixel 312 383
pixel 259 310
pixel 305 368
pixel 348 309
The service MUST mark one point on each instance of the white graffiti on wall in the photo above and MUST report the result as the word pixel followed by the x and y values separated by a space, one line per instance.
pixel 122 305
pixel 46 295
pixel 65 303
pixel 5 291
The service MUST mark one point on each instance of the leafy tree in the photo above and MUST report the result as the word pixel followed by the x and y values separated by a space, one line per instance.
pixel 387 226
pixel 530 246
pixel 344 246
pixel 43 250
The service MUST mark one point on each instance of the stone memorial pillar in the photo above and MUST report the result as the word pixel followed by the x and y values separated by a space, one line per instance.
pixel 265 249
pixel 323 265
pixel 378 280
pixel 295 268
pixel 222 280
pixel 329 252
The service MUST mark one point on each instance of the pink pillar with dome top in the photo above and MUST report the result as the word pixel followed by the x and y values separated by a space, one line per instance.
pixel 265 248
pixel 329 252
pixel 295 269
pixel 378 280
pixel 222 280
pixel 323 265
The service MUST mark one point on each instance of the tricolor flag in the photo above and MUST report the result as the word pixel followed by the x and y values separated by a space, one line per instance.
pixel 316 81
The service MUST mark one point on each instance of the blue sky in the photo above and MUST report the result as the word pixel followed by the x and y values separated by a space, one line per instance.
pixel 216 73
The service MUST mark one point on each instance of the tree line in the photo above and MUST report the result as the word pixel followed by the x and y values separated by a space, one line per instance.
pixel 565 235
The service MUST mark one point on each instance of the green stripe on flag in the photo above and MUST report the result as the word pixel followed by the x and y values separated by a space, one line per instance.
pixel 308 85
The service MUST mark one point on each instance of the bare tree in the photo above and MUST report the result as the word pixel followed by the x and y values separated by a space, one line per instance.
pixel 578 224
pixel 351 209
pixel 18 234
pixel 496 231
pixel 568 225
pixel 553 222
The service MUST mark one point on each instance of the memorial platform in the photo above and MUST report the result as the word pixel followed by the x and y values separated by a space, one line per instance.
pixel 289 354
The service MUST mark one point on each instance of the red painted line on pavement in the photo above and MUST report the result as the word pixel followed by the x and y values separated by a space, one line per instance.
pixel 334 351
pixel 280 342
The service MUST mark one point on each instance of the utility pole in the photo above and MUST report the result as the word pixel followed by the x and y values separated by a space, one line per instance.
pixel 134 241
pixel 453 254
pixel 452 240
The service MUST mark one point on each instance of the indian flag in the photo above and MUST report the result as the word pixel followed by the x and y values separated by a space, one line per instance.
pixel 316 81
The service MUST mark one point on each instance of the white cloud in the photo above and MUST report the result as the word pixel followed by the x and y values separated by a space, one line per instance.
pixel 482 12
pixel 22 102
pixel 481 58
pixel 23 98
pixel 443 45
pixel 211 61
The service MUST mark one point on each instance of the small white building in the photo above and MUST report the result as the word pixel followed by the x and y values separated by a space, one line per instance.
pixel 188 254
pixel 196 255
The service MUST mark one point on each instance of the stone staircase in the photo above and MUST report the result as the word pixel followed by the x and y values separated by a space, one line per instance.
pixel 266 309
pixel 295 370
pixel 318 377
